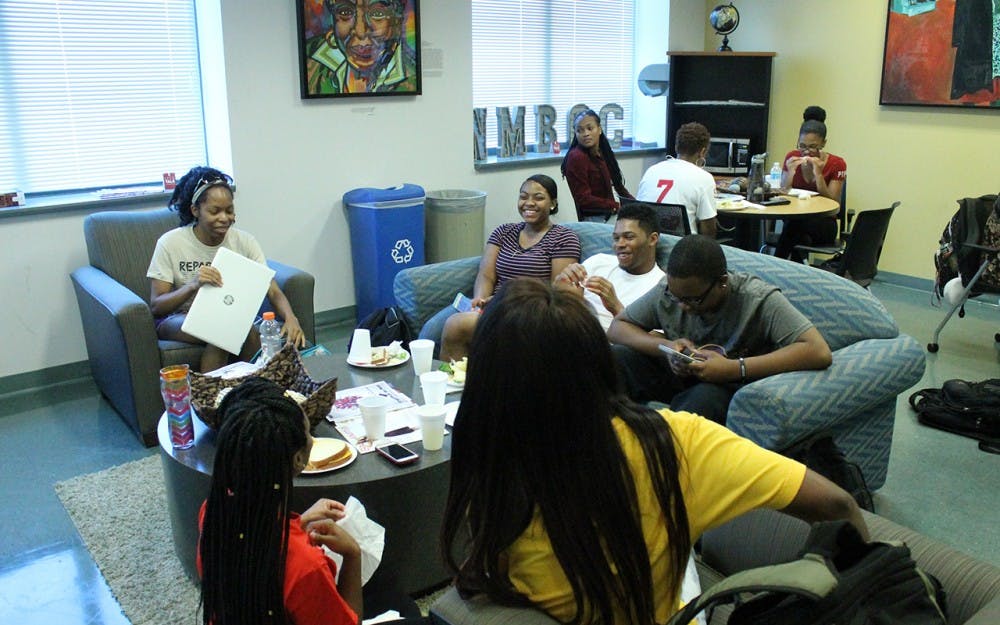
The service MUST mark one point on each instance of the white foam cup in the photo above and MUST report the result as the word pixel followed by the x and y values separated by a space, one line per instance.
pixel 373 409
pixel 434 385
pixel 432 425
pixel 361 347
pixel 422 353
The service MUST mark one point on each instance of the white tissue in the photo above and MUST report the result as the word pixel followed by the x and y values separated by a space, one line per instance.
pixel 369 535
pixel 385 617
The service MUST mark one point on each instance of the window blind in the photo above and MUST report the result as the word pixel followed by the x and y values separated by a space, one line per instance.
pixel 98 93
pixel 558 52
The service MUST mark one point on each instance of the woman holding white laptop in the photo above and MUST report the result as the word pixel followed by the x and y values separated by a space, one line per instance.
pixel 181 262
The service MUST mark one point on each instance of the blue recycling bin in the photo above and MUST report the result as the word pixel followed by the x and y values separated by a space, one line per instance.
pixel 387 236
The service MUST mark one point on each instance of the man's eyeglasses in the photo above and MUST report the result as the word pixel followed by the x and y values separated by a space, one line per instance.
pixel 693 301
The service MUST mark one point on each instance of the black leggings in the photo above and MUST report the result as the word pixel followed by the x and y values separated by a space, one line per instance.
pixel 812 231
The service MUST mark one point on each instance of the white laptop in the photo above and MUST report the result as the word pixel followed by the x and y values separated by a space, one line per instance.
pixel 223 315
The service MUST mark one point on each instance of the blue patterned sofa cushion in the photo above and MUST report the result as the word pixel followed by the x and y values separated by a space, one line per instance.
pixel 854 399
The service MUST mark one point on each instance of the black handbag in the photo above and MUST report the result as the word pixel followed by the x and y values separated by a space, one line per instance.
pixel 385 325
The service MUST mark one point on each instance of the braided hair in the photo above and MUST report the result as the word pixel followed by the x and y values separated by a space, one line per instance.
pixel 191 188
pixel 244 537
pixel 617 179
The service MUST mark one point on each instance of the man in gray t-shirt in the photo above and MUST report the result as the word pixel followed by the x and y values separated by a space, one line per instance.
pixel 737 327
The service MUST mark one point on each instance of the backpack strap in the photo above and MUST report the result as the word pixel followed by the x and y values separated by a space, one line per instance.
pixel 809 577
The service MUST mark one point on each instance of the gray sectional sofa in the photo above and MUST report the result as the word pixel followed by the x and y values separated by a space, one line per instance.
pixel 854 399
pixel 765 537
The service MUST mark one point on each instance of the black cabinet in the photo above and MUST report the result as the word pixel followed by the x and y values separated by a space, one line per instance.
pixel 728 92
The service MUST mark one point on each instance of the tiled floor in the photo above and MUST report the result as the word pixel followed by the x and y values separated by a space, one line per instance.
pixel 938 483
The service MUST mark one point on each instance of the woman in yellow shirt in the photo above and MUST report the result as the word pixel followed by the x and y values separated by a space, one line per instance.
pixel 567 496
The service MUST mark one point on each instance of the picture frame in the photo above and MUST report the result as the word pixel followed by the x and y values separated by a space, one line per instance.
pixel 941 53
pixel 342 58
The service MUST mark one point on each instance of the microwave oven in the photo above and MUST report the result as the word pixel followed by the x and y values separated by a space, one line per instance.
pixel 727 155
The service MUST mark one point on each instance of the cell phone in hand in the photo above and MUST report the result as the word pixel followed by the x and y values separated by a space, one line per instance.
pixel 397 454
pixel 673 353
pixel 462 303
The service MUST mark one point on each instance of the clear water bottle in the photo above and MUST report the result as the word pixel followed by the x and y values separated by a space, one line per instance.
pixel 775 178
pixel 270 337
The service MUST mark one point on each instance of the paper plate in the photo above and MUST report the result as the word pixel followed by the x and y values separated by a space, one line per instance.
pixel 397 359
pixel 341 465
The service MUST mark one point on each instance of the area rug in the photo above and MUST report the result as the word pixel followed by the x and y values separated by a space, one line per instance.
pixel 121 514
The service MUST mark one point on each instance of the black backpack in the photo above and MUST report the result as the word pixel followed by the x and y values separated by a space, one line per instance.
pixel 839 578
pixel 821 454
pixel 952 258
pixel 968 408
pixel 386 325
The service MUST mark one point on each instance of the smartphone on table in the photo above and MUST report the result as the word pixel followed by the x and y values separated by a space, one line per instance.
pixel 397 454
pixel 673 353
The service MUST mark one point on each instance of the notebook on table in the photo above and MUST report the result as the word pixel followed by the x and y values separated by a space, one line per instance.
pixel 223 315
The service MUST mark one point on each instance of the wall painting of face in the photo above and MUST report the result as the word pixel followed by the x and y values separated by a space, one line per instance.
pixel 359 47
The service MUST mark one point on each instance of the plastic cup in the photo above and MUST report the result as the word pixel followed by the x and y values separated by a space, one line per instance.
pixel 432 425
pixel 422 353
pixel 434 385
pixel 373 409
pixel 361 347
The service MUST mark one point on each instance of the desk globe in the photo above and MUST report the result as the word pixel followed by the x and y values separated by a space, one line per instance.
pixel 724 18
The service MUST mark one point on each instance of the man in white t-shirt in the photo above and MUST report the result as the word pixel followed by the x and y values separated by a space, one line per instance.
pixel 682 181
pixel 610 282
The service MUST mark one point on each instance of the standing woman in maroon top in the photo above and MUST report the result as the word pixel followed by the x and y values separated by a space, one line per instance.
pixel 591 170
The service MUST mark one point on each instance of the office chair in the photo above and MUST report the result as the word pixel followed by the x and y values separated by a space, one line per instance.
pixel 671 218
pixel 860 250
pixel 972 255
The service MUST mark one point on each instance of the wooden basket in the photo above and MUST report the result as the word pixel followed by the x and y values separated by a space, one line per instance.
pixel 285 369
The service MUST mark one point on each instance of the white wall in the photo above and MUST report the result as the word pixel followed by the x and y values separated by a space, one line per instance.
pixel 293 160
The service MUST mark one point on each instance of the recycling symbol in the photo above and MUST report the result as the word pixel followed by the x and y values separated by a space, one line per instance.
pixel 402 252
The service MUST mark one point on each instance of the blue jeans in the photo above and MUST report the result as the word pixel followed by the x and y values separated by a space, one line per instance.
pixel 434 328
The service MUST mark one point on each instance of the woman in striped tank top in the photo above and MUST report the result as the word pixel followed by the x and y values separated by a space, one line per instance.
pixel 532 248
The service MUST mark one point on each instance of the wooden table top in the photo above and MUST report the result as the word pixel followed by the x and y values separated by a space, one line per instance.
pixel 814 206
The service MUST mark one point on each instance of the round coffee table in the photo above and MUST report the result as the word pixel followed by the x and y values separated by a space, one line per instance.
pixel 408 501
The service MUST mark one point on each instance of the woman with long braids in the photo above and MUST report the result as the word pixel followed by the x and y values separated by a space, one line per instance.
pixel 259 561
pixel 567 496
pixel 181 263
pixel 591 170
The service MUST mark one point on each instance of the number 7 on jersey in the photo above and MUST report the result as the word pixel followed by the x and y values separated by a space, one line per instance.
pixel 666 185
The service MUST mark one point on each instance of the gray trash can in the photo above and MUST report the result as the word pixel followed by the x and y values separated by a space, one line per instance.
pixel 454 220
